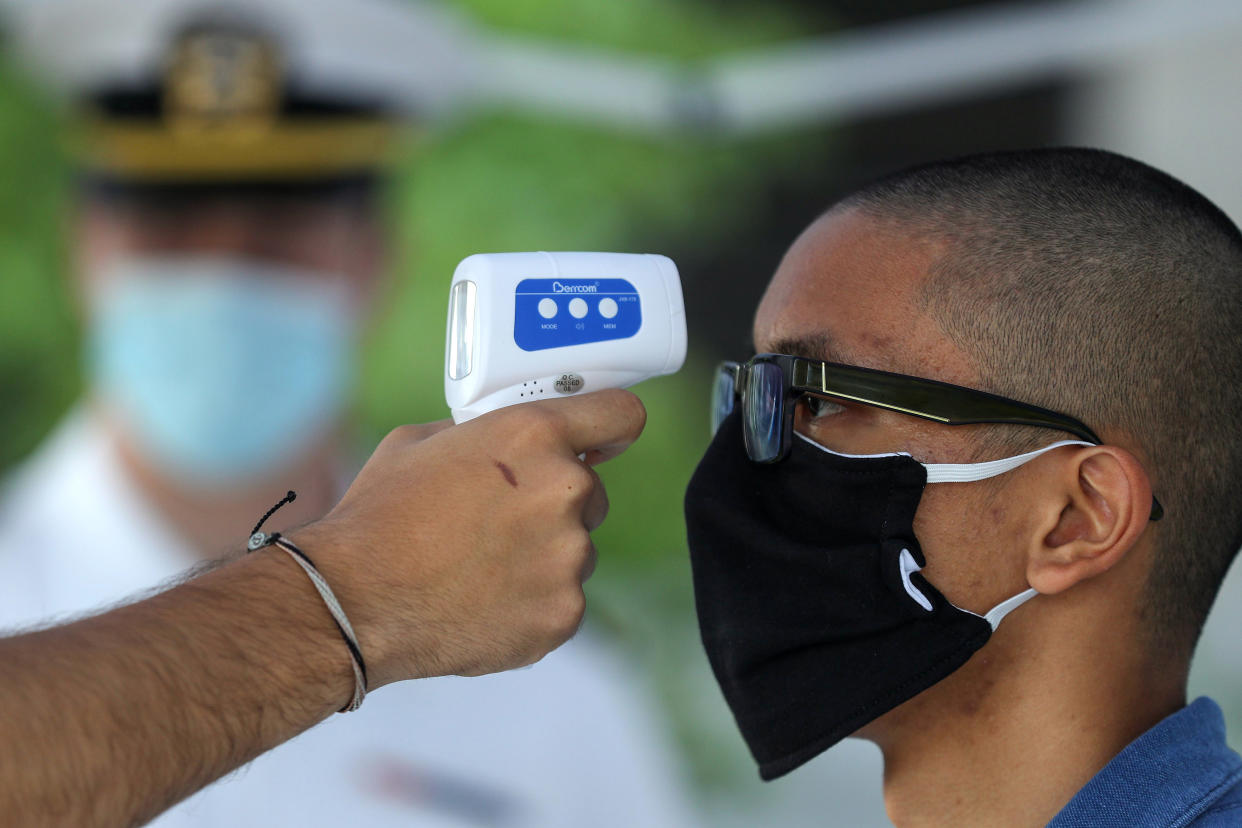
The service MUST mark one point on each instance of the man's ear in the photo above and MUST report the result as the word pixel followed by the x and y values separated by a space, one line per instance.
pixel 1095 513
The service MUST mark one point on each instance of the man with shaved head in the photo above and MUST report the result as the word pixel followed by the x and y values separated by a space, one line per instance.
pixel 1005 387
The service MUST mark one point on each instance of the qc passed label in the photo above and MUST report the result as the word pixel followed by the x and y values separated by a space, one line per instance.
pixel 568 384
pixel 553 313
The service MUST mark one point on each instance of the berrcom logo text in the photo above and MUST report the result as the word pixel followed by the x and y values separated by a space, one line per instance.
pixel 560 287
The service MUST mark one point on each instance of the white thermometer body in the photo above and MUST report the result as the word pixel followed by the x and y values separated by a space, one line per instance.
pixel 527 326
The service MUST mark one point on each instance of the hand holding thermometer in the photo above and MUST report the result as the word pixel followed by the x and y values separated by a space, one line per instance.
pixel 528 326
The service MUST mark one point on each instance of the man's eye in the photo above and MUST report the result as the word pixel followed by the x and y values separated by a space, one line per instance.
pixel 820 407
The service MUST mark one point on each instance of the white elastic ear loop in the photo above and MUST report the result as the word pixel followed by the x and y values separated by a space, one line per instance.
pixel 993 616
pixel 970 472
pixel 962 473
pixel 997 614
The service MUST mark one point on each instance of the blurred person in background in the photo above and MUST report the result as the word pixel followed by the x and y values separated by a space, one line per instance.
pixel 229 246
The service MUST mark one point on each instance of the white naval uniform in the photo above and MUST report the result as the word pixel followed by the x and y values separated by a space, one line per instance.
pixel 564 743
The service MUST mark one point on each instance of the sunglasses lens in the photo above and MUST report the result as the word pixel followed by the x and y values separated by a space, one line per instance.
pixel 723 393
pixel 763 412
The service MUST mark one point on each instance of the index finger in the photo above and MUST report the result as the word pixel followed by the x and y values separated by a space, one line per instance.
pixel 601 424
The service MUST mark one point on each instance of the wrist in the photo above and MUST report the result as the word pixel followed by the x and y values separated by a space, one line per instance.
pixel 357 590
pixel 313 648
pixel 339 619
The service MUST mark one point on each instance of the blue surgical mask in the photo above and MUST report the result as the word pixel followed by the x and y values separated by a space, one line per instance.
pixel 222 370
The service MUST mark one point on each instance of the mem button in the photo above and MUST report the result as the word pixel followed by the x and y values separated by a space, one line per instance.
pixel 607 307
pixel 577 308
pixel 547 308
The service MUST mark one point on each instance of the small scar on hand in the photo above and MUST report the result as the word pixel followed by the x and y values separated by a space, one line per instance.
pixel 507 473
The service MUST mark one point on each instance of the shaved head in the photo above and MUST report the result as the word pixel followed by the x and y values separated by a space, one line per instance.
pixel 1093 284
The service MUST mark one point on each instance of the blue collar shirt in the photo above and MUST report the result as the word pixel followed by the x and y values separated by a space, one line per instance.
pixel 1180 773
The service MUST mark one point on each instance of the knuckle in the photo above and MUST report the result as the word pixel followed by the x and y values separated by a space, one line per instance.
pixel 532 423
pixel 570 614
pixel 571 478
pixel 403 435
pixel 391 440
pixel 588 566
pixel 580 478
pixel 541 416
pixel 600 509
pixel 577 610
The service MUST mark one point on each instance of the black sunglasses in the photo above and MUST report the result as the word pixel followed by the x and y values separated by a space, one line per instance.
pixel 769 385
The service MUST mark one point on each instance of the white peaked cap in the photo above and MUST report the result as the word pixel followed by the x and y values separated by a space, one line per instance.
pixel 409 56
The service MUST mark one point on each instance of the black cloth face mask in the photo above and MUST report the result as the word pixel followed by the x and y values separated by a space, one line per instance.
pixel 811 607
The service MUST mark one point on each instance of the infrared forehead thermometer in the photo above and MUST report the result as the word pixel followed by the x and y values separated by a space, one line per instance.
pixel 529 326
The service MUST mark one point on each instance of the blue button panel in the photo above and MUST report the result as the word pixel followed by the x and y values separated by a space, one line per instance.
pixel 553 313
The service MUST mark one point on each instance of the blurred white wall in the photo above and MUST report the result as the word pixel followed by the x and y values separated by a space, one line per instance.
pixel 1176 106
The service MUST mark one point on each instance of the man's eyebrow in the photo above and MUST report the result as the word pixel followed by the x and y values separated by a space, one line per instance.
pixel 813 346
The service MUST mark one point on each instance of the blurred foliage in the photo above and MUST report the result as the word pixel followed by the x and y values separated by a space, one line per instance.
pixel 687 29
pixel 38 350
pixel 483 184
